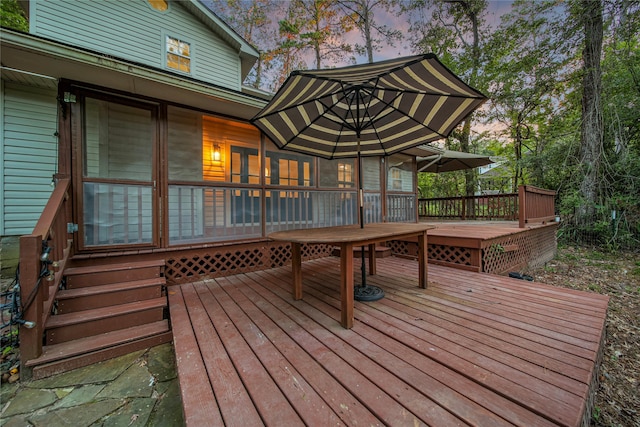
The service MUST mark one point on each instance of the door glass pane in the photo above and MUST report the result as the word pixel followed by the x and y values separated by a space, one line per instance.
pixel 289 169
pixel 118 141
pixel 116 214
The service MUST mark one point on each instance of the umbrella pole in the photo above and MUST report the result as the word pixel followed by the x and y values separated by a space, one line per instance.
pixel 364 292
pixel 361 210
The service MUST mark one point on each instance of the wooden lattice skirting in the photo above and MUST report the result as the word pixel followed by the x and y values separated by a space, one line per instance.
pixel 197 264
pixel 530 247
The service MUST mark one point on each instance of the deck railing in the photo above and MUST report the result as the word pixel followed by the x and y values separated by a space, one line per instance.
pixel 401 208
pixel 536 205
pixel 529 205
pixel 43 255
pixel 488 207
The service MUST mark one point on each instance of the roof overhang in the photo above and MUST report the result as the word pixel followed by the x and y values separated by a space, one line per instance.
pixel 37 55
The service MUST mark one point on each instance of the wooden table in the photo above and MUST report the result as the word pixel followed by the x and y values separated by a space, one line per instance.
pixel 348 237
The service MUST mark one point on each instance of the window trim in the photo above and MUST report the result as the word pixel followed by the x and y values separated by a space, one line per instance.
pixel 181 38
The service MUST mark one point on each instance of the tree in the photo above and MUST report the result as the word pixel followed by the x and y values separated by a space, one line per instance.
pixel 323 30
pixel 592 124
pixel 525 70
pixel 452 29
pixel 361 14
pixel 12 16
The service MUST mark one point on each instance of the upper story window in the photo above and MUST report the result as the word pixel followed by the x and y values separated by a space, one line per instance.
pixel 178 54
pixel 160 5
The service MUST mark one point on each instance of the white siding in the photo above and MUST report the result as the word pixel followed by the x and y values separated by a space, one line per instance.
pixel 29 154
pixel 132 30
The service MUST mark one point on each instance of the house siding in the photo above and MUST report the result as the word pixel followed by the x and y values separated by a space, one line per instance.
pixel 29 154
pixel 133 31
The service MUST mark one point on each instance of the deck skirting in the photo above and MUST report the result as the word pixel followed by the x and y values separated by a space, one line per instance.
pixel 482 248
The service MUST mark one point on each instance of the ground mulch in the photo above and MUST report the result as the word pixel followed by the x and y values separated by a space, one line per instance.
pixel 618 276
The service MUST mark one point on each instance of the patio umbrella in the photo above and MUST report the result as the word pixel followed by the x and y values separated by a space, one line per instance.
pixel 451 161
pixel 367 110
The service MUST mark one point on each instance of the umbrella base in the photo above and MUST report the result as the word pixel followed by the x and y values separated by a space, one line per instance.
pixel 367 293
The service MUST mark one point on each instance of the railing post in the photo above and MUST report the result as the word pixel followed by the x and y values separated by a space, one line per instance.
pixel 522 208
pixel 30 338
pixel 464 208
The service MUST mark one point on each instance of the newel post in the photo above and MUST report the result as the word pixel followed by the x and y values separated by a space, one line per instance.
pixel 31 331
pixel 522 206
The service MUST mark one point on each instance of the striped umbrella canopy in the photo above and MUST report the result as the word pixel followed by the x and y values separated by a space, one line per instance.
pixel 367 110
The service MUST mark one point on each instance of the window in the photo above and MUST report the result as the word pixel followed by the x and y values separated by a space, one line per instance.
pixel 400 173
pixel 178 54
pixel 289 169
pixel 345 175
pixel 159 5
pixel 337 173
pixel 244 165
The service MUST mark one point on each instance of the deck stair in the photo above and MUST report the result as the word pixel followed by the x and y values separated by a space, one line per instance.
pixel 104 311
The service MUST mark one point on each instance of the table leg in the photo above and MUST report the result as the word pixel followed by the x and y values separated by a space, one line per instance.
pixel 422 260
pixel 296 265
pixel 372 259
pixel 346 284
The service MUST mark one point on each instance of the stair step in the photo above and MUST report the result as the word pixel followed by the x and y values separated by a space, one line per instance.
pixel 86 351
pixel 80 346
pixel 92 297
pixel 102 274
pixel 71 271
pixel 70 326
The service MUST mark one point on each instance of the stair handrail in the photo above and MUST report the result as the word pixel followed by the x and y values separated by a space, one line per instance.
pixel 43 256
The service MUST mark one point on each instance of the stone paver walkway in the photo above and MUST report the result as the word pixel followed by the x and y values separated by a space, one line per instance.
pixel 139 389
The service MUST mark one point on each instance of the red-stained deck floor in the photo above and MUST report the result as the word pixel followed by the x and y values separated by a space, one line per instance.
pixel 472 349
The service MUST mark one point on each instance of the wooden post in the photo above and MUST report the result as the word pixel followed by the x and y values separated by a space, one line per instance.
pixel 423 264
pixel 522 212
pixel 296 265
pixel 346 285
pixel 372 259
pixel 30 338
pixel 464 208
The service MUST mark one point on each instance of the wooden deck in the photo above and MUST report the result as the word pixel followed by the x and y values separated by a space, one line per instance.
pixel 472 349
pixel 489 246
pixel 485 230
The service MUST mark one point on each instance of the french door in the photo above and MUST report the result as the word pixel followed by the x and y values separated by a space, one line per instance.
pixel 116 142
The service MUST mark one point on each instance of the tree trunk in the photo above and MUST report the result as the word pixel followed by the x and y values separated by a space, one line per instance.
pixel 592 125
pixel 470 177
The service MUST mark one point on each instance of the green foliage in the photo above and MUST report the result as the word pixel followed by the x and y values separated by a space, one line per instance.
pixel 12 16
pixel 448 184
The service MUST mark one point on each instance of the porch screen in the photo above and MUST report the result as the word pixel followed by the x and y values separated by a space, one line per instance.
pixel 401 198
pixel 372 189
pixel 118 153
pixel 214 178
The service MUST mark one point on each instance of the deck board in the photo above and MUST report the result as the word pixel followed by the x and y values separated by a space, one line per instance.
pixel 471 349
